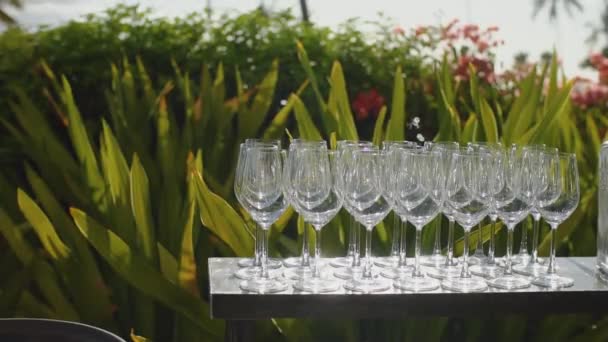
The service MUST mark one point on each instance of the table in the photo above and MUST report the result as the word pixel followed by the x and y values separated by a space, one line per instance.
pixel 589 294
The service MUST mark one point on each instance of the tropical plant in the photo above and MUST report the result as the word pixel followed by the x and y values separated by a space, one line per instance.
pixel 113 220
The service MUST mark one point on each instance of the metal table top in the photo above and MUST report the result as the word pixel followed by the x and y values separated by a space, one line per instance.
pixel 228 301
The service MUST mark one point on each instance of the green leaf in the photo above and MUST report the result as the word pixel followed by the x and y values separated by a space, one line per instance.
pixel 220 218
pixel 312 78
pixel 43 226
pixel 114 166
pixel 339 96
pixel 469 130
pixel 488 120
pixel 378 136
pixel 306 127
pixel 395 129
pixel 251 120
pixel 14 237
pixel 168 263
pixel 474 236
pixel 48 283
pixel 187 273
pixel 144 277
pixel 142 212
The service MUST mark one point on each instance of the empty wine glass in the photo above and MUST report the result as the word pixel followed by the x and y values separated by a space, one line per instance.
pixel 301 263
pixel 488 267
pixel 318 173
pixel 513 205
pixel 345 148
pixel 397 253
pixel 418 193
pixel 556 203
pixel 436 259
pixel 543 161
pixel 363 193
pixel 251 266
pixel 468 192
pixel 263 199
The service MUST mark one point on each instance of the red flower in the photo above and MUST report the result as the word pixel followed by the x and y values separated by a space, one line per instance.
pixel 399 30
pixel 484 68
pixel 366 103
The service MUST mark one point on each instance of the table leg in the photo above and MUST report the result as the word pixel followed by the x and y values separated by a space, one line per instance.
pixel 239 331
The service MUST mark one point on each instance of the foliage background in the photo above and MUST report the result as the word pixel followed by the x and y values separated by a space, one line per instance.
pixel 119 139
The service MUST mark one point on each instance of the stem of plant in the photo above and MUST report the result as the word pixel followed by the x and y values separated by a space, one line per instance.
pixel 317 262
pixel 403 244
pixel 509 261
pixel 551 269
pixel 465 265
pixel 368 253
pixel 417 271
pixel 395 237
pixel 305 253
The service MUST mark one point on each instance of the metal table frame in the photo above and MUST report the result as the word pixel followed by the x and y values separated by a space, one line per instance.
pixel 240 308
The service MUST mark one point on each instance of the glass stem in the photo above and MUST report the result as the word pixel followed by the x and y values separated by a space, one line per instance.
pixel 264 254
pixel 257 257
pixel 352 237
pixel 523 246
pixel 551 269
pixel 357 255
pixel 509 261
pixel 479 247
pixel 465 265
pixel 492 245
pixel 367 272
pixel 305 253
pixel 403 245
pixel 395 237
pixel 317 263
pixel 450 253
pixel 437 247
pixel 417 271
pixel 535 232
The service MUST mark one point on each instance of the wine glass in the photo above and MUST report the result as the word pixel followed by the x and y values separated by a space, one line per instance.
pixel 488 267
pixel 513 205
pixel 556 203
pixel 301 263
pixel 468 192
pixel 399 222
pixel 418 194
pixel 318 173
pixel 363 193
pixel 263 198
pixel 543 160
pixel 251 266
pixel 345 148
pixel 447 263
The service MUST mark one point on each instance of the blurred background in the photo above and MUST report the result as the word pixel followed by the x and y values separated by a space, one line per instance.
pixel 120 123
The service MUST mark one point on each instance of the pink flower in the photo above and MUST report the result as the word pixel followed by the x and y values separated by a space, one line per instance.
pixel 399 30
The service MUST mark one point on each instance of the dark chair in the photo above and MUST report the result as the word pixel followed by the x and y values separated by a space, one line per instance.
pixel 47 330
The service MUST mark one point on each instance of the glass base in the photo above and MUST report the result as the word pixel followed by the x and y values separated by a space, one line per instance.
pixel 317 285
pixel 303 272
pixel 473 260
pixel 509 282
pixel 247 273
pixel 416 284
pixel 262 285
pixel 348 273
pixel 553 281
pixel 397 272
pixel 521 258
pixel 387 262
pixel 248 262
pixel 487 270
pixel 502 262
pixel 444 272
pixel 341 262
pixel 367 285
pixel 433 260
pixel 530 269
pixel 295 261
pixel 470 284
